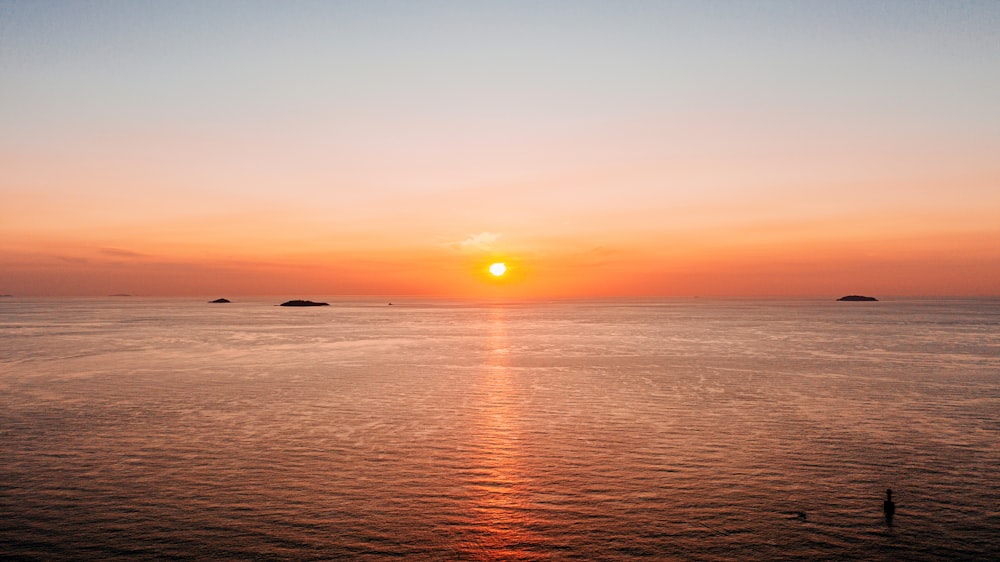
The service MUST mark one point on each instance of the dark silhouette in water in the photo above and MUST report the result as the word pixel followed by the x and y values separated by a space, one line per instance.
pixel 858 298
pixel 303 303
pixel 888 506
pixel 800 515
pixel 220 301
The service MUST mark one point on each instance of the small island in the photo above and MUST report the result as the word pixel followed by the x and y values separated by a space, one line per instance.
pixel 220 301
pixel 303 303
pixel 858 298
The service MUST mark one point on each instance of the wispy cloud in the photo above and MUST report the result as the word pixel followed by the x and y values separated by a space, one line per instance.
pixel 121 253
pixel 482 241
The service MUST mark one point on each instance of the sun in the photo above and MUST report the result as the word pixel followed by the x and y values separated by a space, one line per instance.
pixel 498 269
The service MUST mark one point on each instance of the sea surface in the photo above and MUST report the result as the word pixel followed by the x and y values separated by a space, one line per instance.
pixel 675 429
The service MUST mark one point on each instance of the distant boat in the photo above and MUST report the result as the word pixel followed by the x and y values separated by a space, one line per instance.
pixel 220 301
pixel 858 298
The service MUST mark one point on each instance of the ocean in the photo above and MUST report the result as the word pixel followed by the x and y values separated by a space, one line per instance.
pixel 657 429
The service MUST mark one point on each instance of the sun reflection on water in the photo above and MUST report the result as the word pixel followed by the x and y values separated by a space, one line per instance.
pixel 499 495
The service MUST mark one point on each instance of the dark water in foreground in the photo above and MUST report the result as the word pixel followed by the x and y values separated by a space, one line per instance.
pixel 687 429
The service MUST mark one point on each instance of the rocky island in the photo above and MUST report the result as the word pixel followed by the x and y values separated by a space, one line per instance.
pixel 858 298
pixel 220 301
pixel 303 303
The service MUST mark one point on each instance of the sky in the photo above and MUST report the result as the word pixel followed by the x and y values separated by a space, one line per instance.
pixel 598 149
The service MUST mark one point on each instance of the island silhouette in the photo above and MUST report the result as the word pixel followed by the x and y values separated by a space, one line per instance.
pixel 303 303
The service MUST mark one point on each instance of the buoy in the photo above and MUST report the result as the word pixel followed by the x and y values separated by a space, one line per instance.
pixel 888 506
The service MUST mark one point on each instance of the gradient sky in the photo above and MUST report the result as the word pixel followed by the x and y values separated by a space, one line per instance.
pixel 598 148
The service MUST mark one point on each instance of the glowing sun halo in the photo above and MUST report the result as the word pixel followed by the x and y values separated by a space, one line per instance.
pixel 498 269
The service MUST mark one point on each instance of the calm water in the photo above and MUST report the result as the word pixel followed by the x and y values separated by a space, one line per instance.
pixel 676 429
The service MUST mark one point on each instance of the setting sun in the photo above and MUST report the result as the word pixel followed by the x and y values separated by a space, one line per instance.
pixel 498 269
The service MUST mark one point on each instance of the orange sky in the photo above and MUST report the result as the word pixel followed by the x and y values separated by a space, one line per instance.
pixel 804 150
